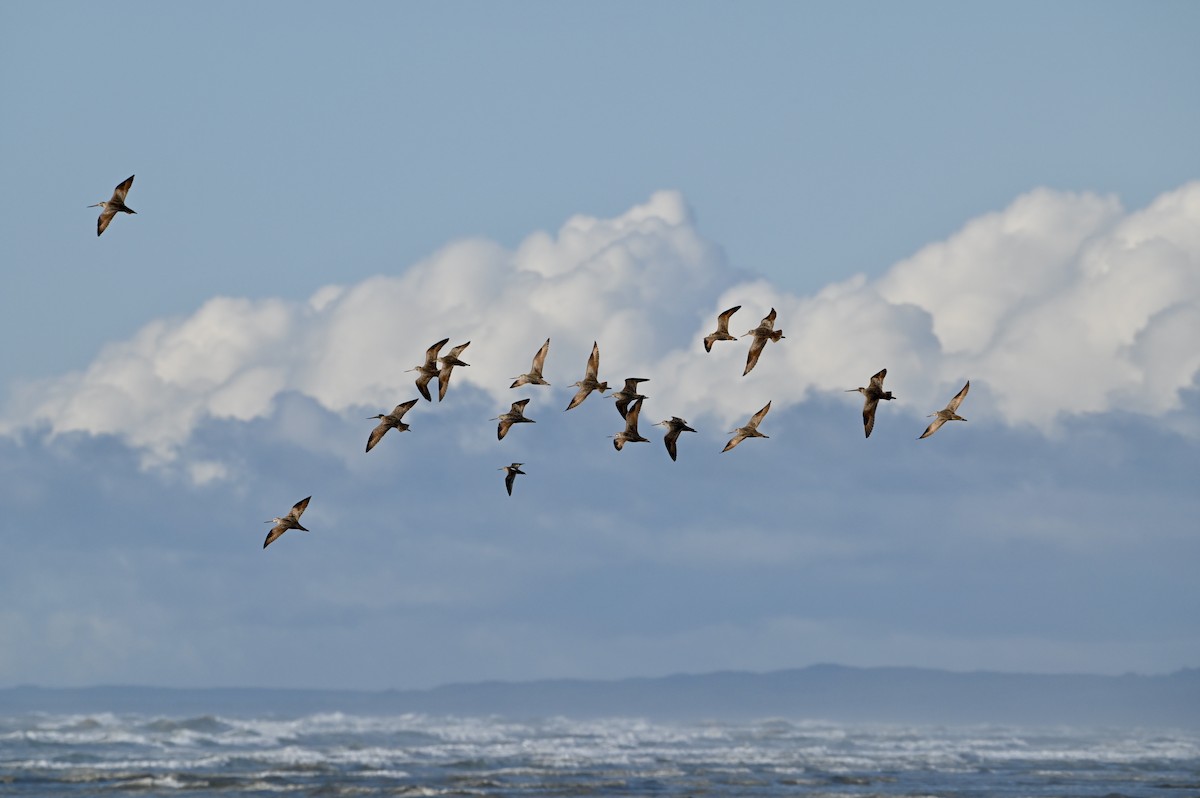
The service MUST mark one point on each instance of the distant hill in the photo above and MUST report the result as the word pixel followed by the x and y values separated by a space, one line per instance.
pixel 825 692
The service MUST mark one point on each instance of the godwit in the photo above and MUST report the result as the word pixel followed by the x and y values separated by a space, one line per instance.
pixel 590 381
pixel 674 425
pixel 392 420
pixel 511 476
pixel 949 414
pixel 873 393
pixel 514 416
pixel 628 394
pixel 110 207
pixel 289 521
pixel 534 375
pixel 449 362
pixel 630 434
pixel 722 333
pixel 429 369
pixel 750 430
pixel 764 331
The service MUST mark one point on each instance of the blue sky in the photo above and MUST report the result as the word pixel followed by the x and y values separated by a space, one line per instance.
pixel 1004 195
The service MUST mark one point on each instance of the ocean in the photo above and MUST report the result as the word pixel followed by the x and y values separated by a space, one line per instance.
pixel 333 754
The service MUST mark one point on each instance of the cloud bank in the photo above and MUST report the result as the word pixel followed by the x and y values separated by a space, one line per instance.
pixel 1059 305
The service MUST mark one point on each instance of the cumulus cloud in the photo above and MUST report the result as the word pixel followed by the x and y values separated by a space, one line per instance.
pixel 1060 304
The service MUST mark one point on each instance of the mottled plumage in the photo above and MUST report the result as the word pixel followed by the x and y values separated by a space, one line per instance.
pixel 591 380
pixel 628 394
pixel 949 414
pixel 630 434
pixel 392 420
pixel 674 425
pixel 289 521
pixel 516 415
pixel 511 476
pixel 449 362
pixel 722 333
pixel 872 394
pixel 750 430
pixel 429 369
pixel 765 331
pixel 110 207
pixel 534 375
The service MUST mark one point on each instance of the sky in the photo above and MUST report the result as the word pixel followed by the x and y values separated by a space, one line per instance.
pixel 1007 195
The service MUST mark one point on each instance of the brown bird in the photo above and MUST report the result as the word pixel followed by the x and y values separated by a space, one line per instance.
pixel 949 414
pixel 110 207
pixel 591 381
pixel 628 394
pixel 675 425
pixel 390 421
pixel 514 416
pixel 449 362
pixel 750 430
pixel 872 393
pixel 289 521
pixel 722 333
pixel 534 375
pixel 630 434
pixel 511 476
pixel 762 333
pixel 429 369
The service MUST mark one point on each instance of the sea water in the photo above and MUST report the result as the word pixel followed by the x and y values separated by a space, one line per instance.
pixel 337 754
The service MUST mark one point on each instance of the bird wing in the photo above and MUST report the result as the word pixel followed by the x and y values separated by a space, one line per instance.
pixel 757 418
pixel 519 407
pixel 631 419
pixel 503 427
pixel 377 434
pixel 932 428
pixel 670 440
pixel 623 406
pixel 298 508
pixel 869 414
pixel 509 479
pixel 579 396
pixel 423 385
pixel 957 400
pixel 737 438
pixel 444 381
pixel 723 319
pixel 431 354
pixel 877 380
pixel 769 320
pixel 120 191
pixel 539 360
pixel 708 342
pixel 455 352
pixel 106 216
pixel 401 409
pixel 631 383
pixel 275 532
pixel 593 364
pixel 756 348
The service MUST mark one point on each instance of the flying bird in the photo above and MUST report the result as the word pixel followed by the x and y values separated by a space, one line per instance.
pixel 511 476
pixel 630 434
pixel 872 393
pixel 628 394
pixel 449 362
pixel 429 369
pixel 675 425
pixel 949 414
pixel 289 521
pixel 514 416
pixel 534 375
pixel 110 207
pixel 750 430
pixel 392 420
pixel 590 381
pixel 722 333
pixel 762 333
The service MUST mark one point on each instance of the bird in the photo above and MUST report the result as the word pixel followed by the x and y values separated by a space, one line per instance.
pixel 534 375
pixel 630 434
pixel 750 430
pixel 628 394
pixel 449 362
pixel 722 333
pixel 872 393
pixel 590 381
pixel 289 521
pixel 949 414
pixel 674 425
pixel 511 476
pixel 110 207
pixel 514 416
pixel 764 330
pixel 392 420
pixel 429 369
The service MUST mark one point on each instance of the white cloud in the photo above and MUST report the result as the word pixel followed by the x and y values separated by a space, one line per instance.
pixel 1059 304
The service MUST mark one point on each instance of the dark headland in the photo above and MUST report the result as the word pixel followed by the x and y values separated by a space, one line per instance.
pixel 819 692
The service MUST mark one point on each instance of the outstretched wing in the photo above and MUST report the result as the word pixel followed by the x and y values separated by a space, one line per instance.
pixel 444 381
pixel 932 428
pixel 274 534
pixel 299 507
pixel 539 360
pixel 509 479
pixel 869 414
pixel 631 419
pixel 737 438
pixel 723 319
pixel 401 409
pixel 757 418
pixel 877 380
pixel 579 396
pixel 671 439
pixel 519 407
pixel 593 364
pixel 756 348
pixel 106 216
pixel 769 320
pixel 423 385
pixel 377 434
pixel 431 354
pixel 957 400
pixel 120 191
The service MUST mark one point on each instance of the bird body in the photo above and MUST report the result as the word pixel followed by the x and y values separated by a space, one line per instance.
pixel 511 476
pixel 289 521
pixel 392 420
pixel 628 394
pixel 630 434
pixel 448 363
pixel 429 369
pixel 750 430
pixel 591 381
pixel 109 207
pixel 675 425
pixel 950 413
pixel 765 331
pixel 872 394
pixel 534 375
pixel 516 415
pixel 722 333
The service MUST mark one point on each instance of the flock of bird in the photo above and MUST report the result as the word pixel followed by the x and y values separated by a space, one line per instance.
pixel 628 400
